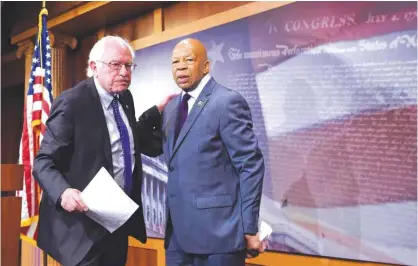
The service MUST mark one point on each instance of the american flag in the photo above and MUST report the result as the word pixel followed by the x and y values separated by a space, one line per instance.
pixel 36 111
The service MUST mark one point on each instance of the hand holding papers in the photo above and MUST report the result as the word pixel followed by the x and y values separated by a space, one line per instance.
pixel 107 203
pixel 265 231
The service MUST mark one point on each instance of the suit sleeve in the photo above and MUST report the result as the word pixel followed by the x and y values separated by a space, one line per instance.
pixel 241 143
pixel 148 132
pixel 54 150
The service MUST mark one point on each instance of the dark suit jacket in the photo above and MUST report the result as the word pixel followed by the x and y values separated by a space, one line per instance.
pixel 75 146
pixel 215 174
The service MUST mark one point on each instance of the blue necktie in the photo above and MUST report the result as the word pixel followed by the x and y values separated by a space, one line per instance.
pixel 126 147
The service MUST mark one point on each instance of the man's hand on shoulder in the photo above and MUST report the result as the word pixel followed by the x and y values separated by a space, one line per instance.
pixel 163 103
pixel 254 245
pixel 71 201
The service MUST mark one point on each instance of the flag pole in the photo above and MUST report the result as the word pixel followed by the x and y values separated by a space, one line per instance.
pixel 45 255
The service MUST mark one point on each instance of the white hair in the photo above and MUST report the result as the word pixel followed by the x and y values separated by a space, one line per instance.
pixel 98 50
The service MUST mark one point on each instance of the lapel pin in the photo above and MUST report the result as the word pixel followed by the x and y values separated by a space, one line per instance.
pixel 127 107
pixel 200 103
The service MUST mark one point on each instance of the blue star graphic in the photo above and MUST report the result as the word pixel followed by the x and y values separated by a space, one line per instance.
pixel 215 53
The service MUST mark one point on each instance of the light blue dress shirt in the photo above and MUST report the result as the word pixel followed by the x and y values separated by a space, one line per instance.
pixel 106 99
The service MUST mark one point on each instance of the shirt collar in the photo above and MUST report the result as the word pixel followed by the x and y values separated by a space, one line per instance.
pixel 106 97
pixel 195 93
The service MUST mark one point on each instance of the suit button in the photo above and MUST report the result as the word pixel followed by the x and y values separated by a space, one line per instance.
pixel 170 169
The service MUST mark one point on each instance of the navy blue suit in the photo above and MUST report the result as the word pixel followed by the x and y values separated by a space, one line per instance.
pixel 215 174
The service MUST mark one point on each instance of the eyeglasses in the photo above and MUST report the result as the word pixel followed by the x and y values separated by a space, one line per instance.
pixel 118 65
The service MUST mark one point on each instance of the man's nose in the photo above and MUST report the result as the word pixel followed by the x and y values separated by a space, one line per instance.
pixel 124 70
pixel 181 66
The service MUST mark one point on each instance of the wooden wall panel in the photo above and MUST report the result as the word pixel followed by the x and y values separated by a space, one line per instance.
pixel 18 16
pixel 208 22
pixel 144 26
pixel 10 220
pixel 81 55
pixel 11 73
pixel 186 12
pixel 11 177
pixel 133 29
pixel 141 257
pixel 11 122
pixel 71 68
pixel 30 18
pixel 124 30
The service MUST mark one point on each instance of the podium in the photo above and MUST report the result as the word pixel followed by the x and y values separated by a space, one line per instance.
pixel 11 181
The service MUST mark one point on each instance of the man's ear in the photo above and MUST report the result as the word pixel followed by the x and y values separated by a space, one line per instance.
pixel 206 67
pixel 93 67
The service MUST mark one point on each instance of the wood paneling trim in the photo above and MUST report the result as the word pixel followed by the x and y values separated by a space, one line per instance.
pixel 158 20
pixel 10 226
pixel 140 256
pixel 144 25
pixel 153 244
pixel 11 177
pixel 72 14
pixel 208 22
pixel 181 13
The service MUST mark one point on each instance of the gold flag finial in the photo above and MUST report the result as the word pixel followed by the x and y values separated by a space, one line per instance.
pixel 44 11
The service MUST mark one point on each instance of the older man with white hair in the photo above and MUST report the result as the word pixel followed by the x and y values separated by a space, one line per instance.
pixel 93 125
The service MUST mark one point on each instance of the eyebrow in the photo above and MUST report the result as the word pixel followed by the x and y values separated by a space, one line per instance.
pixel 177 57
pixel 118 61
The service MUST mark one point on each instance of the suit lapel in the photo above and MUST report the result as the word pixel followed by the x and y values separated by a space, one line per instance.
pixel 97 112
pixel 197 108
pixel 171 124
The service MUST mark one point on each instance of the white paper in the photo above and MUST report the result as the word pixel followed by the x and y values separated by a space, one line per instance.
pixel 265 230
pixel 107 203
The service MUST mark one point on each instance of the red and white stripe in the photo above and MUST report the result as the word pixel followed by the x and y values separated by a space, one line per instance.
pixel 36 112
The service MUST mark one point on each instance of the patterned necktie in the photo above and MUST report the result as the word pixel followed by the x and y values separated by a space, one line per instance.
pixel 126 147
pixel 183 111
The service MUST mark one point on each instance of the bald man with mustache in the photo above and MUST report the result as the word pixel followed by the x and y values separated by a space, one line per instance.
pixel 215 167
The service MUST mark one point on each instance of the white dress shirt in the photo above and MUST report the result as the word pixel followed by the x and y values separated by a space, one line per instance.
pixel 196 92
